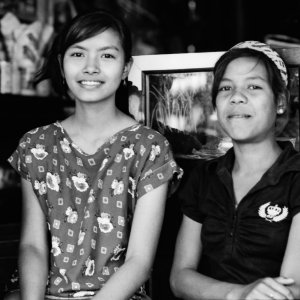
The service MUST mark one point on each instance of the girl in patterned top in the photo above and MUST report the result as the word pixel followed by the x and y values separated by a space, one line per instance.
pixel 95 184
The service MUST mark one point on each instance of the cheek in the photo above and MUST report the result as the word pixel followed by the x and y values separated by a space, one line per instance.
pixel 270 110
pixel 117 72
pixel 69 69
pixel 220 108
pixel 69 79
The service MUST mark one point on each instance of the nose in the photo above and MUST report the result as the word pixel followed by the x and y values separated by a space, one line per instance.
pixel 238 97
pixel 92 65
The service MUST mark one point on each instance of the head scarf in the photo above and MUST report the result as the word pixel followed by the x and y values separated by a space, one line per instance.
pixel 269 52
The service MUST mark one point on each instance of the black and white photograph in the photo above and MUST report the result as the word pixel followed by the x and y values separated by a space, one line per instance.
pixel 149 150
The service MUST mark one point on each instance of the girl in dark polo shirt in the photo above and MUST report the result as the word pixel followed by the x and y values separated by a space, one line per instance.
pixel 239 237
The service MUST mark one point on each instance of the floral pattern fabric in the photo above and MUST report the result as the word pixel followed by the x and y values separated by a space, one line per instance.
pixel 89 200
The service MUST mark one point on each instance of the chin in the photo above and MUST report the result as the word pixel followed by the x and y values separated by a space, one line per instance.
pixel 247 140
pixel 89 99
pixel 87 96
pixel 240 138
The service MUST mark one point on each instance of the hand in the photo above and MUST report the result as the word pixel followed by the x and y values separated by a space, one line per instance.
pixel 266 289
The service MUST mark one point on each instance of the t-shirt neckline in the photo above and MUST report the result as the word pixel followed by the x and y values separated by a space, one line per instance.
pixel 75 146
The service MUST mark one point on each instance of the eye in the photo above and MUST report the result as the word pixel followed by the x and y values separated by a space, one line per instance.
pixel 224 88
pixel 108 56
pixel 76 54
pixel 254 87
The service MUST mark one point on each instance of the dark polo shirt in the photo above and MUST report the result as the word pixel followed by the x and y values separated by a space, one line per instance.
pixel 247 242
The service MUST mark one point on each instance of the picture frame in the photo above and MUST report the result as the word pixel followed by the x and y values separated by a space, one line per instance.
pixel 290 130
pixel 171 93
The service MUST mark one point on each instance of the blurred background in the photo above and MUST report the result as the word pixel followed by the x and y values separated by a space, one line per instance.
pixel 178 26
pixel 27 27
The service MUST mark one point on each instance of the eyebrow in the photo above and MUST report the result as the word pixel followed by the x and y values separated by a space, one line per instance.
pixel 248 78
pixel 99 49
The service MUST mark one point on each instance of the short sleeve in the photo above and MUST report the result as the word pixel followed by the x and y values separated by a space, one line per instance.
pixel 295 195
pixel 157 164
pixel 190 194
pixel 20 157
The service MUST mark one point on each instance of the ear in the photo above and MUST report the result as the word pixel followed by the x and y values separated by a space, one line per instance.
pixel 127 68
pixel 282 103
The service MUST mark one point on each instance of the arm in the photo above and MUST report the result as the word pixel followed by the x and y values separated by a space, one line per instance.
pixel 288 284
pixel 33 251
pixel 291 262
pixel 145 231
pixel 188 283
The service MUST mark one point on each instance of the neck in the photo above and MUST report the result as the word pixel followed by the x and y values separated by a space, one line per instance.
pixel 95 115
pixel 255 157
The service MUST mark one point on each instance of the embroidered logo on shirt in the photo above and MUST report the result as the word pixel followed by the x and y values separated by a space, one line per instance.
pixel 272 213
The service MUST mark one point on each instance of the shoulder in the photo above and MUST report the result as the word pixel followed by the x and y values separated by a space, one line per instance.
pixel 206 166
pixel 200 174
pixel 147 135
pixel 40 135
pixel 48 128
pixel 288 164
pixel 294 161
pixel 147 131
pixel 32 147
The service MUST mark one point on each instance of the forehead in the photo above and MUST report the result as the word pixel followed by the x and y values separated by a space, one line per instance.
pixel 106 37
pixel 246 66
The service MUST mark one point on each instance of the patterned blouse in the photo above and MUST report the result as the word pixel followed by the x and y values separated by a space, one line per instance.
pixel 89 200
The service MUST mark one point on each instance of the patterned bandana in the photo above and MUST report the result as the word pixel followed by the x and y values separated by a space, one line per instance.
pixel 268 51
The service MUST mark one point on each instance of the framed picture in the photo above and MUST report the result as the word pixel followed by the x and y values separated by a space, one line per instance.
pixel 172 94
pixel 290 129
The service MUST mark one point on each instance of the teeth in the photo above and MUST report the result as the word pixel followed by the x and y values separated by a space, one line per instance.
pixel 90 82
pixel 239 116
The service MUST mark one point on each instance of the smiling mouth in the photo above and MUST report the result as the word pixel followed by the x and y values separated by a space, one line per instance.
pixel 90 82
pixel 239 116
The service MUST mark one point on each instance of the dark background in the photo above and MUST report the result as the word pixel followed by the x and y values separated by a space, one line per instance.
pixel 171 26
